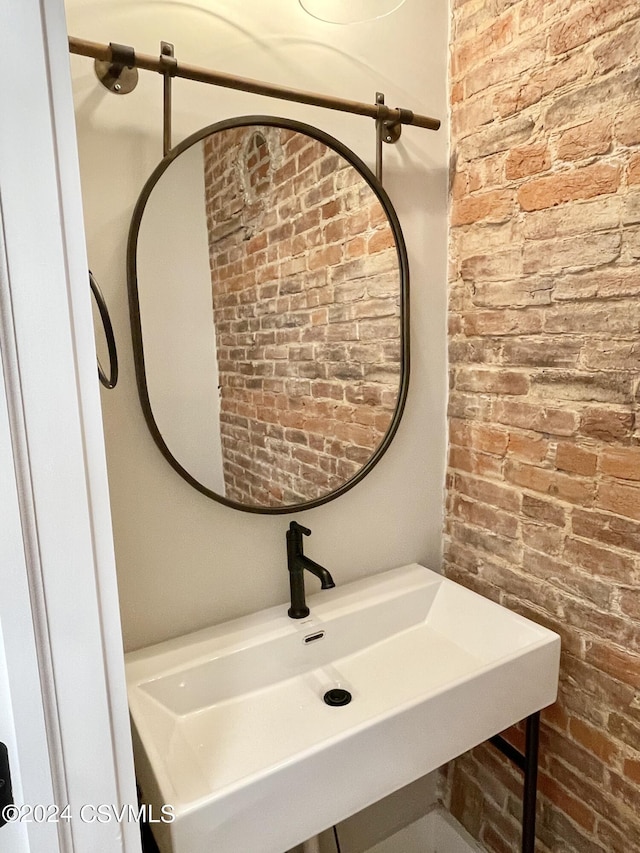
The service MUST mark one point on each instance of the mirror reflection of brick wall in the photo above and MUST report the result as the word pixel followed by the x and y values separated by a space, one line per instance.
pixel 306 290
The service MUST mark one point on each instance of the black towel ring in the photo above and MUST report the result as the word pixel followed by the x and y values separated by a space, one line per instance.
pixel 111 381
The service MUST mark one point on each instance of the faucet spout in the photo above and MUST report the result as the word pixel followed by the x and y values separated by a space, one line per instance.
pixel 324 576
pixel 297 562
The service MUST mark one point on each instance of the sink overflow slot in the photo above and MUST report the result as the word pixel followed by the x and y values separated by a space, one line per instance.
pixel 311 638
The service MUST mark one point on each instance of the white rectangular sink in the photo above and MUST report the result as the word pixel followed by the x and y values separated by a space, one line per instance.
pixel 231 729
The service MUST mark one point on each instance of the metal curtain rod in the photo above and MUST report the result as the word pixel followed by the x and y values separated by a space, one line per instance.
pixel 380 112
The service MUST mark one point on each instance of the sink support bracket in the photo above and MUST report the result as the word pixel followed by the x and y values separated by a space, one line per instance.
pixel 528 763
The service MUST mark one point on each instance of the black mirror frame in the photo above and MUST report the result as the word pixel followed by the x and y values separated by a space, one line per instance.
pixel 136 327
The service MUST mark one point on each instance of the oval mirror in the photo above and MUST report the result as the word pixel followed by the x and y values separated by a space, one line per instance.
pixel 268 292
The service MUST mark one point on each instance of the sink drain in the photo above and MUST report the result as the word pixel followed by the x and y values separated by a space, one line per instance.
pixel 337 696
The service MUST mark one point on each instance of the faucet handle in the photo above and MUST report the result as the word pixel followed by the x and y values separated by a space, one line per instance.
pixel 294 527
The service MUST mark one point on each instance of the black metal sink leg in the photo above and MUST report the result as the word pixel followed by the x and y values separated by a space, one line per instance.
pixel 528 763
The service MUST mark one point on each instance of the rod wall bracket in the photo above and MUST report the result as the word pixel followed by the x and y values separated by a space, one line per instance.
pixel 168 69
pixel 119 74
pixel 387 130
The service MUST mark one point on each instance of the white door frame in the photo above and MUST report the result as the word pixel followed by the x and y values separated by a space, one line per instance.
pixel 53 481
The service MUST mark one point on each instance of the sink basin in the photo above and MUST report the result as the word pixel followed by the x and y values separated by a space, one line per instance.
pixel 231 728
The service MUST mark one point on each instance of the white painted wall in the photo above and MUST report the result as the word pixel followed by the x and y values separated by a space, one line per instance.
pixel 183 560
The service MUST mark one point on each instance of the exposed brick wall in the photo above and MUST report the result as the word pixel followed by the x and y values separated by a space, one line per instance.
pixel 543 488
pixel 306 304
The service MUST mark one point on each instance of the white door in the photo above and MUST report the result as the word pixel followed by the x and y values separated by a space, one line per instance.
pixel 63 709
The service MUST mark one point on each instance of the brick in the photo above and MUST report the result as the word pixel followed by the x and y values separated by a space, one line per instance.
pixel 624 792
pixel 614 50
pixel 601 283
pixel 488 517
pixel 454 325
pixel 529 447
pixel 461 561
pixel 474 351
pixel 576 768
pixel 571 254
pixel 483 238
pixel 631 209
pixel 627 126
pixel 573 807
pixel 491 381
pixel 608 355
pixel 556 717
pixel 597 17
pixel 553 570
pixel 630 244
pixel 486 541
pixel 575 459
pixel 325 257
pixel 493 206
pixel 489 439
pixel 496 137
pixel 488 492
pixel 471 18
pixel 527 160
pixel 502 322
pixel 553 824
pixel 605 690
pixel 633 173
pixel 587 387
pixel 516 293
pixel 607 425
pixel 544 511
pixel 497 266
pixel 561 486
pixel 620 319
pixel 505 576
pixel 465 800
pixel 506 65
pixel 498 842
pixel 539 83
pixel 619 838
pixel 630 606
pixel 470 113
pixel 380 241
pixel 457 93
pixel 620 498
pixel 623 463
pixel 617 662
pixel 474 50
pixel 599 560
pixel 481 437
pixel 474 462
pixel 469 406
pixel 594 97
pixel 539 418
pixel 624 730
pixel 487 172
pixel 583 183
pixel 609 529
pixel 542 352
pixel 541 537
pixel 585 140
pixel 574 218
pixel 631 769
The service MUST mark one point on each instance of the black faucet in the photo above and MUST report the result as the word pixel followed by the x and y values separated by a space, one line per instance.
pixel 297 563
